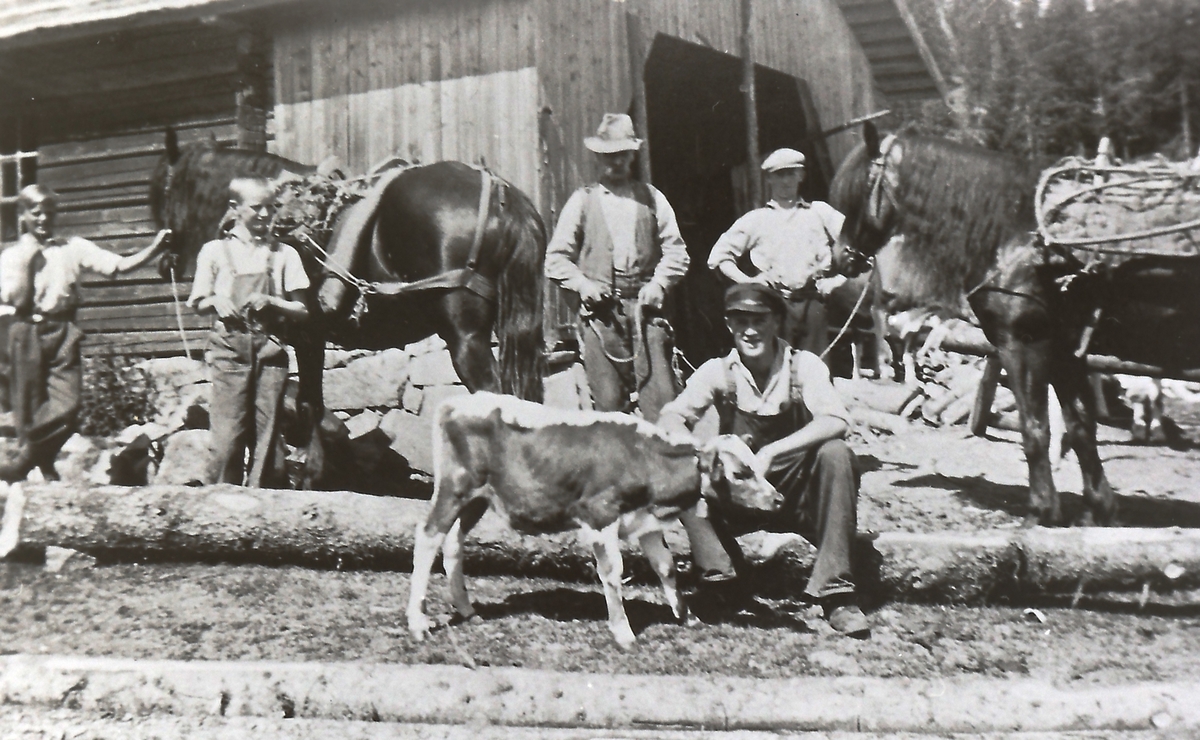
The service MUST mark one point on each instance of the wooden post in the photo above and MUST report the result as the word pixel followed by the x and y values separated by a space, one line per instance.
pixel 251 93
pixel 750 96
pixel 637 71
pixel 1186 123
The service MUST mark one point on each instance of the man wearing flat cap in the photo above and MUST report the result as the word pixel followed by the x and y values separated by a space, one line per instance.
pixel 790 244
pixel 781 402
pixel 617 246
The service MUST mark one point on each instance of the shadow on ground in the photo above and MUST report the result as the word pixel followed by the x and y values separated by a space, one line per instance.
pixel 568 605
pixel 1133 511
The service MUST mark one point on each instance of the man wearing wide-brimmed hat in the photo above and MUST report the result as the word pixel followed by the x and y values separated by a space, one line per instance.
pixel 618 248
pixel 790 244
pixel 781 402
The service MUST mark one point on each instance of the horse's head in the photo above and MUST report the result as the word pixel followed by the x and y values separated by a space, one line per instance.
pixel 864 189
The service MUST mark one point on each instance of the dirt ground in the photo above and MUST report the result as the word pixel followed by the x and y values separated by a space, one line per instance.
pixel 923 481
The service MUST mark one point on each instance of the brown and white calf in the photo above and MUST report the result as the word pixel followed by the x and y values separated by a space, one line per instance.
pixel 611 476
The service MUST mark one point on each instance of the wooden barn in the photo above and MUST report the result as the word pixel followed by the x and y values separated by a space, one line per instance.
pixel 88 86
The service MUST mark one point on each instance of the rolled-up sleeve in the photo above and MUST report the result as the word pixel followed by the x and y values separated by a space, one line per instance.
pixel 206 275
pixel 675 259
pixel 562 253
pixel 831 217
pixel 816 388
pixel 294 276
pixel 91 256
pixel 700 392
pixel 733 243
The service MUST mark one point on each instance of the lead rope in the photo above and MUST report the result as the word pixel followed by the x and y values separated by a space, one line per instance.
pixel 846 326
pixel 187 350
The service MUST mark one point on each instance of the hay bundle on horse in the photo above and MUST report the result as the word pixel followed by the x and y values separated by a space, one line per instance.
pixel 968 239
pixel 445 248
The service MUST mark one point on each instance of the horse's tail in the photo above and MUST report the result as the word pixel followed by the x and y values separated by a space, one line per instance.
pixel 519 310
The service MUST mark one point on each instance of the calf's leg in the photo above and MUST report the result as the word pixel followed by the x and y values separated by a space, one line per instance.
pixel 452 556
pixel 426 544
pixel 664 567
pixel 606 545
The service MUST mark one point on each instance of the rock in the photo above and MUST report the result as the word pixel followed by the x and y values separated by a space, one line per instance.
pixel 435 394
pixel 78 456
pixel 335 358
pixel 370 381
pixel 567 389
pixel 411 436
pixel 433 368
pixel 412 399
pixel 363 423
pixel 150 430
pixel 431 343
pixel 184 407
pixel 186 459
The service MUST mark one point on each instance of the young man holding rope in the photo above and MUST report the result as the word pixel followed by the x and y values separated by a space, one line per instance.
pixel 39 278
pixel 253 286
pixel 617 246
pixel 790 242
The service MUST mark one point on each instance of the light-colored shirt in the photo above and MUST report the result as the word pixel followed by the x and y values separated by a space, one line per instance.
pixel 620 216
pixel 56 285
pixel 215 271
pixel 789 245
pixel 802 370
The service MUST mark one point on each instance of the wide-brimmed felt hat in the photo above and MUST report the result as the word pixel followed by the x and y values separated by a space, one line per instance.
pixel 615 134
pixel 783 159
pixel 753 298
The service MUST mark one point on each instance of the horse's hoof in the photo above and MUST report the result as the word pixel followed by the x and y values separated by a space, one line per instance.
pixel 625 640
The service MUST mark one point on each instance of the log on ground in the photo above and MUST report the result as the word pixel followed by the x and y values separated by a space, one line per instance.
pixel 323 529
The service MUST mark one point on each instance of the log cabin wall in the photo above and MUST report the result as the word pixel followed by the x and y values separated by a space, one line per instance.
pixel 101 110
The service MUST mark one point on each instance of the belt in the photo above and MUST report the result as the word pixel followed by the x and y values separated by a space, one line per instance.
pixel 627 287
pixel 36 317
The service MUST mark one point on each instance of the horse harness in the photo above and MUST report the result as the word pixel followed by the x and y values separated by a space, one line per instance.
pixel 467 277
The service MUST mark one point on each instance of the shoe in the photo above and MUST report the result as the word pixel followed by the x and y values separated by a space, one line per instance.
pixel 849 620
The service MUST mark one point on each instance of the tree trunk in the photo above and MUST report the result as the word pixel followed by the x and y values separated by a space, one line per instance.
pixel 350 530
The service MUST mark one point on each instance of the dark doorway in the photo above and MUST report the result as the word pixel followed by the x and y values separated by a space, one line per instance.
pixel 697 141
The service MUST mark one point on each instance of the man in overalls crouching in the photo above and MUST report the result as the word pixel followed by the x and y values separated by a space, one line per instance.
pixel 254 286
pixel 39 279
pixel 781 402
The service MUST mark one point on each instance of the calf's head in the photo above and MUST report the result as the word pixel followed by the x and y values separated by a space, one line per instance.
pixel 730 478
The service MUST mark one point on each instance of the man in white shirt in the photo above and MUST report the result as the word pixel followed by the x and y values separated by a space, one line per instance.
pixel 617 246
pixel 39 277
pixel 781 402
pixel 790 243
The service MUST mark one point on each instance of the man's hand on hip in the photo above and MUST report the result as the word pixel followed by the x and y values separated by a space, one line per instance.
pixel 652 295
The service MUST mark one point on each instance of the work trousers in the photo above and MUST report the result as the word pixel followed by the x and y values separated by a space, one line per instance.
pixel 820 489
pixel 45 387
pixel 805 325
pixel 249 375
pixel 620 361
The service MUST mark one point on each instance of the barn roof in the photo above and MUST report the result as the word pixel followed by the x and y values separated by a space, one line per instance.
pixel 900 60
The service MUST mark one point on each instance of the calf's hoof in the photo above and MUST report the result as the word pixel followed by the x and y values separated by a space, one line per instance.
pixel 419 626
pixel 625 638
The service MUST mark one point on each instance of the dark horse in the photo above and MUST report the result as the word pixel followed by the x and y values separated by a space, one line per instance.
pixel 966 220
pixel 430 221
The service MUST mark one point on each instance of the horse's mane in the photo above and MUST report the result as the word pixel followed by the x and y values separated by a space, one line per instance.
pixel 957 206
pixel 198 176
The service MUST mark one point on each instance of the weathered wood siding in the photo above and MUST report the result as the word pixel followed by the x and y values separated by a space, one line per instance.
pixel 426 81
pixel 102 105
pixel 104 184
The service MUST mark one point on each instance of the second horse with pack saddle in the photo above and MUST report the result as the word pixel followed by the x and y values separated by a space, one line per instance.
pixel 1081 259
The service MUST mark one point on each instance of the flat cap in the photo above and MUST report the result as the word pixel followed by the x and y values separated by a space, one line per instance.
pixel 753 298
pixel 783 159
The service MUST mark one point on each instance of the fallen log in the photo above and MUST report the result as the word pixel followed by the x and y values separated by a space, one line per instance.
pixel 1095 363
pixel 324 529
